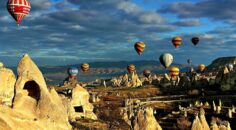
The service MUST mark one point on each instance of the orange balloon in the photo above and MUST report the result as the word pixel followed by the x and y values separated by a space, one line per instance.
pixel 174 72
pixel 85 67
pixel 201 67
pixel 177 41
pixel 139 47
pixel 131 68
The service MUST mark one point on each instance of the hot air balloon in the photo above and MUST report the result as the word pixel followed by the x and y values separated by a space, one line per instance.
pixel 18 9
pixel 166 59
pixel 131 68
pixel 146 73
pixel 139 47
pixel 201 67
pixel 195 40
pixel 72 72
pixel 189 61
pixel 174 72
pixel 177 41
pixel 85 67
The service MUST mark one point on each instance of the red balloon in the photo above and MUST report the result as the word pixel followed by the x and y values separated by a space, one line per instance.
pixel 18 9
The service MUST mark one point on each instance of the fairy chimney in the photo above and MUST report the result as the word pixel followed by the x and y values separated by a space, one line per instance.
pixel 197 124
pixel 205 126
pixel 145 120
pixel 34 99
pixel 7 83
pixel 80 107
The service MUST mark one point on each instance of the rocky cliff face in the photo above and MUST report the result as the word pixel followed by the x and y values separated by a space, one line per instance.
pixel 7 83
pixel 34 105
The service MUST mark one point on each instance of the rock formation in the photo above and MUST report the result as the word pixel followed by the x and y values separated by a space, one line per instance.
pixel 135 81
pixel 205 126
pixel 79 107
pixel 196 124
pixel 34 105
pixel 7 83
pixel 145 120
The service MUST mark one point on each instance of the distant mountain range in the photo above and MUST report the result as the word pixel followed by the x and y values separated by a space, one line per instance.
pixel 56 74
pixel 105 70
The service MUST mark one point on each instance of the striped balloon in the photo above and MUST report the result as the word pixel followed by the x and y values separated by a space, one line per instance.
pixel 131 68
pixel 174 72
pixel 177 41
pixel 139 47
pixel 18 9
pixel 85 67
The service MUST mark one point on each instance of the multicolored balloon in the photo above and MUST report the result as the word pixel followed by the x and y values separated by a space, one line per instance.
pixel 177 41
pixel 166 59
pixel 72 71
pixel 174 72
pixel 139 47
pixel 84 67
pixel 18 9
pixel 195 40
pixel 146 73
pixel 201 67
pixel 131 68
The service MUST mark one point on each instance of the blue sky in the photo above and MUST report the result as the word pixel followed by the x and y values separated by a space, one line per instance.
pixel 59 32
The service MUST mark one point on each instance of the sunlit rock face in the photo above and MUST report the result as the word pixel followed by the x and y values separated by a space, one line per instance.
pixel 34 105
pixel 79 107
pixel 145 120
pixel 135 81
pixel 7 82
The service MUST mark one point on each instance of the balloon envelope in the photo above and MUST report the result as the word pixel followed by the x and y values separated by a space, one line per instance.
pixel 201 67
pixel 18 9
pixel 73 71
pixel 139 47
pixel 189 61
pixel 147 73
pixel 174 71
pixel 166 59
pixel 84 67
pixel 195 40
pixel 177 41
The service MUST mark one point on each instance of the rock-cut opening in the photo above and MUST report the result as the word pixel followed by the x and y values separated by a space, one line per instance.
pixel 33 89
pixel 79 109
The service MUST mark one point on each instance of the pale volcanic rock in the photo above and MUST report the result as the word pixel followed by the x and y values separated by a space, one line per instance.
pixel 80 107
pixel 135 81
pixel 204 123
pixel 197 124
pixel 7 83
pixel 145 120
pixel 34 106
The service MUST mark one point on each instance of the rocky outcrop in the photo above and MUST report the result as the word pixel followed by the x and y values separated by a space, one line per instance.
pixel 7 83
pixel 226 79
pixel 200 123
pixel 145 120
pixel 34 105
pixel 79 106
pixel 135 81
pixel 196 124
